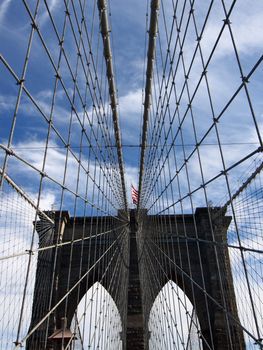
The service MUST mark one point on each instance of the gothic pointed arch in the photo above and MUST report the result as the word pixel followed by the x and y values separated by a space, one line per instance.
pixel 173 320
pixel 97 321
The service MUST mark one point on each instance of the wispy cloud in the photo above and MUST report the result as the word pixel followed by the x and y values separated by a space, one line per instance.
pixel 53 6
pixel 247 32
pixel 3 10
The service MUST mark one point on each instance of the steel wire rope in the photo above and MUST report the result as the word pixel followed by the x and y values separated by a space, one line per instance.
pixel 159 133
pixel 71 252
pixel 55 69
pixel 220 306
pixel 112 279
pixel 168 305
pixel 157 279
pixel 243 158
pixel 17 342
pixel 98 39
pixel 162 83
pixel 96 77
pixel 202 176
pixel 162 242
pixel 237 91
pixel 47 140
pixel 62 299
pixel 94 292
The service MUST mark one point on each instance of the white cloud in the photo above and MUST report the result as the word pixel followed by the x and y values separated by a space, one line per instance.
pixel 7 102
pixel 43 101
pixel 131 104
pixel 53 6
pixel 16 233
pixel 56 165
pixel 3 9
pixel 247 27
pixel 130 115
pixel 247 32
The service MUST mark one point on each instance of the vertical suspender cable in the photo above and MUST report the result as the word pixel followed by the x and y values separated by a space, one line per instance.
pixel 104 23
pixel 155 4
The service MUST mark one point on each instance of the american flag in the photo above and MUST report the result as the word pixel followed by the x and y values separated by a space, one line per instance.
pixel 134 194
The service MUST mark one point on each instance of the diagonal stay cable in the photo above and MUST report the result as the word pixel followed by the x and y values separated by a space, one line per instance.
pixel 104 23
pixel 25 196
pixel 148 85
pixel 77 240
pixel 65 296
pixel 257 341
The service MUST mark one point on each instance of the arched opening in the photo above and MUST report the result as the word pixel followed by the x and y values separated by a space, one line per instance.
pixel 97 321
pixel 173 323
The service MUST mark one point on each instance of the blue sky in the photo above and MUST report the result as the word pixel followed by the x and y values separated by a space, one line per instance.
pixel 31 128
pixel 128 20
pixel 128 24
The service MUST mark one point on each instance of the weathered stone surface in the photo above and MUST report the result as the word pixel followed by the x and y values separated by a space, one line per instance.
pixel 135 331
pixel 186 258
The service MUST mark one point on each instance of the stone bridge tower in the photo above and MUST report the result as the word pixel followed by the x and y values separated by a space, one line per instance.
pixel 185 241
pixel 207 292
